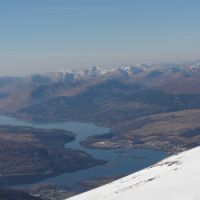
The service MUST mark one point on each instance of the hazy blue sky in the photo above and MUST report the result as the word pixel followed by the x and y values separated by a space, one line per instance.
pixel 49 35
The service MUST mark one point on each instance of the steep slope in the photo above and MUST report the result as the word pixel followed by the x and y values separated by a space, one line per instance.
pixel 176 177
pixel 110 101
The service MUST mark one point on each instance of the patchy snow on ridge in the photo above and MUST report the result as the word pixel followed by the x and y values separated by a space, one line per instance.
pixel 175 178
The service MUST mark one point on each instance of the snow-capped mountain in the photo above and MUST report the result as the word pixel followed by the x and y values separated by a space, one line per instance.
pixel 52 77
pixel 119 72
pixel 34 89
pixel 175 178
pixel 92 72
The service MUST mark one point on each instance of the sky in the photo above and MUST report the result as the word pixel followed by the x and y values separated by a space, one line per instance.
pixel 53 35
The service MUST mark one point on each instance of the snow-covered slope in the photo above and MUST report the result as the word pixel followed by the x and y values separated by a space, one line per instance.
pixel 175 178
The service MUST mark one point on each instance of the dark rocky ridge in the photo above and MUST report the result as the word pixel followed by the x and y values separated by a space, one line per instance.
pixel 7 194
pixel 29 152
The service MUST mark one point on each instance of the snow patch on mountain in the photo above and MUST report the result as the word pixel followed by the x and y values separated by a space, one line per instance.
pixel 177 177
pixel 118 72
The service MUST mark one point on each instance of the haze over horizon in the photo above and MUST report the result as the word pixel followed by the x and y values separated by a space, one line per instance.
pixel 50 35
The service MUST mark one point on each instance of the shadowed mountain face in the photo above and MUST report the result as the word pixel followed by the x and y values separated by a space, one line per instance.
pixel 111 101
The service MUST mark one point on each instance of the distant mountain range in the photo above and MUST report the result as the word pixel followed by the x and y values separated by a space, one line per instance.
pixel 17 93
pixel 119 72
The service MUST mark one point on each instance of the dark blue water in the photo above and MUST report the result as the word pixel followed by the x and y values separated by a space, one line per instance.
pixel 120 162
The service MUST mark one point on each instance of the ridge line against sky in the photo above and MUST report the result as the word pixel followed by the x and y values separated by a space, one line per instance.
pixel 43 35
